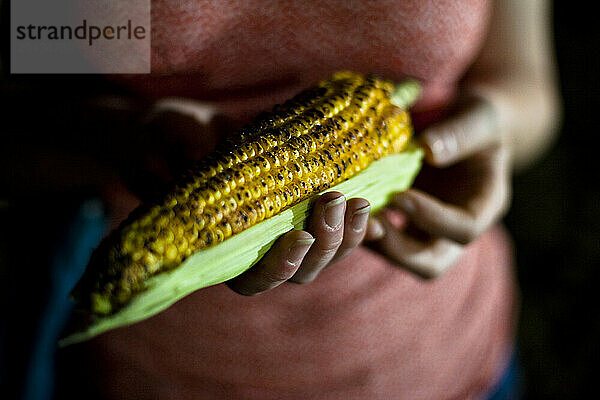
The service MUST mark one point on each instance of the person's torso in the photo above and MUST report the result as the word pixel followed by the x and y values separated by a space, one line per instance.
pixel 365 328
pixel 247 55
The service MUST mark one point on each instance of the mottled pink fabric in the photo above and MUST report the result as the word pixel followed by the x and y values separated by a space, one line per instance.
pixel 246 55
pixel 365 328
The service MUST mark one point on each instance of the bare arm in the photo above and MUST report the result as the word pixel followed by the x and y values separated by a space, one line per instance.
pixel 516 72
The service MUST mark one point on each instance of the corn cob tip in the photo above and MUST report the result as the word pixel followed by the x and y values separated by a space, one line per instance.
pixel 406 93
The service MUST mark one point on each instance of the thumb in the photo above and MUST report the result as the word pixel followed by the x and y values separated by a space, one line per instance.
pixel 474 128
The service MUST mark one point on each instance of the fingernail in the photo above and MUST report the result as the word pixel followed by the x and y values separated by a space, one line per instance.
pixel 334 212
pixel 376 230
pixel 406 204
pixel 360 218
pixel 299 250
pixel 440 146
pixel 437 147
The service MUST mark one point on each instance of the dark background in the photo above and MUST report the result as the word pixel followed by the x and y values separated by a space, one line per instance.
pixel 554 221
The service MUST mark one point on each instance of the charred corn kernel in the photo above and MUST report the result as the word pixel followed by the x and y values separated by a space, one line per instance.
pixel 318 139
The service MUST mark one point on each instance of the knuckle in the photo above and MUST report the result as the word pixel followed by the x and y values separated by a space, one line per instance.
pixel 445 257
pixel 343 253
pixel 330 245
pixel 241 289
pixel 303 278
pixel 469 234
pixel 353 237
pixel 350 243
pixel 274 276
pixel 435 270
pixel 430 272
pixel 472 231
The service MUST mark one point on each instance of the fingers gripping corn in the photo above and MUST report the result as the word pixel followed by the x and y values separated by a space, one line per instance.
pixel 316 140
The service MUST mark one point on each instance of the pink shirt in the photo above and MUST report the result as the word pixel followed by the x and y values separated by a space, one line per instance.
pixel 365 328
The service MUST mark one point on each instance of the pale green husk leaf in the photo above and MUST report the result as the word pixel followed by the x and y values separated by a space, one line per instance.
pixel 383 178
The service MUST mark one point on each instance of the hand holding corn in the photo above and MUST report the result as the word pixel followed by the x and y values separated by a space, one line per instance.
pixel 348 132
pixel 336 226
pixel 463 190
pixel 288 152
pixel 472 137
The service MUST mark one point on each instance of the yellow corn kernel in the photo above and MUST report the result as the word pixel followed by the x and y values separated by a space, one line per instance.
pixel 316 140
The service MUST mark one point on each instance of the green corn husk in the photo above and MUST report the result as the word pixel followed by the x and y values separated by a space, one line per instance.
pixel 231 257
pixel 382 179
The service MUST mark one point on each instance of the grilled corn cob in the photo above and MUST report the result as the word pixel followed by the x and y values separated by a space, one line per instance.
pixel 316 140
